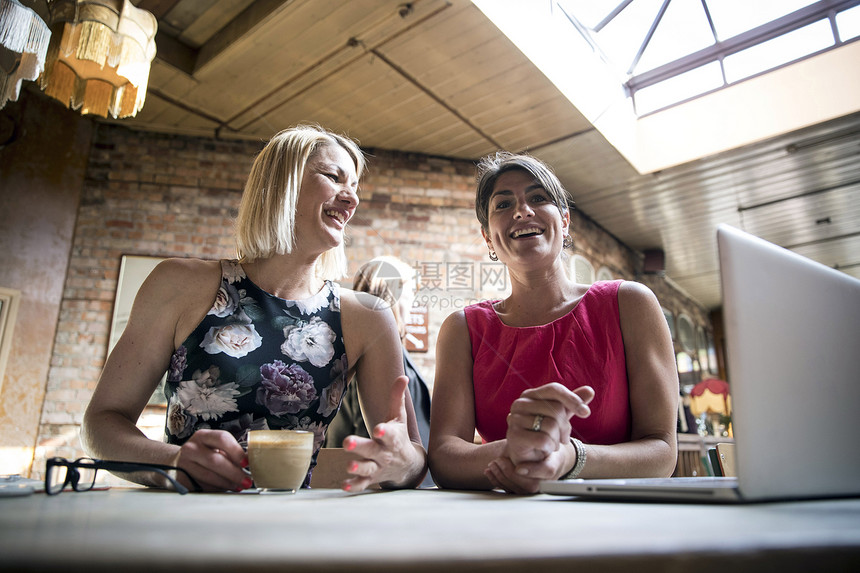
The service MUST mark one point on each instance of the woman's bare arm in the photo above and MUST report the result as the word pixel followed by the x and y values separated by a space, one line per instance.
pixel 169 304
pixel 456 461
pixel 653 381
pixel 394 455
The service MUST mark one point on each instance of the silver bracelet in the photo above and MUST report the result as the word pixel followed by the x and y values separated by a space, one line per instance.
pixel 580 459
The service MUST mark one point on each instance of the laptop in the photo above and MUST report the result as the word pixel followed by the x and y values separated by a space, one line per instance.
pixel 792 330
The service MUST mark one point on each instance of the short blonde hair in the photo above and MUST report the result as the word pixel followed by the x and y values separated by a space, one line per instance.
pixel 265 225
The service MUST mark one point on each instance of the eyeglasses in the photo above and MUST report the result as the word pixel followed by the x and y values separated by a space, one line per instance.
pixel 81 473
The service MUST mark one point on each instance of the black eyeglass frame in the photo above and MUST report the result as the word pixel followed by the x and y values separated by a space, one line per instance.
pixel 73 476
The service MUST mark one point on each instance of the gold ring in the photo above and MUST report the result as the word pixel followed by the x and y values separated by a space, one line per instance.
pixel 537 423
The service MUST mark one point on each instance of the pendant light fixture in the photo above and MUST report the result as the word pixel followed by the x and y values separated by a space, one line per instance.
pixel 24 38
pixel 99 56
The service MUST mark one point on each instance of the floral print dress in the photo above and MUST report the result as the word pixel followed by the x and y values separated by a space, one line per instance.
pixel 258 362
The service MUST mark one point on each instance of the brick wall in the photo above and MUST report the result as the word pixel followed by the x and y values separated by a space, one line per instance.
pixel 162 195
pixel 143 195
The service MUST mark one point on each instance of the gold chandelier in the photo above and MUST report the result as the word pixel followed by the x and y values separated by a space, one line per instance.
pixel 24 38
pixel 99 56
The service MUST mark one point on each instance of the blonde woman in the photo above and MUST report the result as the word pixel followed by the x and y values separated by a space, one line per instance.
pixel 265 341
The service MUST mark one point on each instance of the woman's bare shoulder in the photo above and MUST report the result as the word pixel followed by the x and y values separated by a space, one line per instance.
pixel 454 330
pixel 363 306
pixel 368 325
pixel 638 306
pixel 178 292
pixel 185 275
pixel 180 282
pixel 186 269
pixel 633 293
pixel 456 319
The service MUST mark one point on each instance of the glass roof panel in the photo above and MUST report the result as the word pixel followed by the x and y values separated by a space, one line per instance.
pixel 684 29
pixel 649 42
pixel 678 88
pixel 773 53
pixel 590 12
pixel 849 23
pixel 622 37
pixel 733 17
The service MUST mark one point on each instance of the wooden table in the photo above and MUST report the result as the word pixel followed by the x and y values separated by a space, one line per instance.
pixel 418 530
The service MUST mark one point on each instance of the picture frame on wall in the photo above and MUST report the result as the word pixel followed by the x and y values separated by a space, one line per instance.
pixel 133 271
pixel 9 301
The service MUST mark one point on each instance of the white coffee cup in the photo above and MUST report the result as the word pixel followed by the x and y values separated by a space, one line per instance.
pixel 279 459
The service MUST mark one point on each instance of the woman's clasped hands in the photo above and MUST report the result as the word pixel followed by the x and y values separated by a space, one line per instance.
pixel 538 438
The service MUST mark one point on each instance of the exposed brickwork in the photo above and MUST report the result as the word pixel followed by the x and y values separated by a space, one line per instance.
pixel 162 195
pixel 144 194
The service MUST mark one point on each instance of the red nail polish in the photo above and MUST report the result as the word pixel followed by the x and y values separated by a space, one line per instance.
pixel 350 445
pixel 380 432
pixel 347 487
pixel 244 463
pixel 353 467
pixel 247 482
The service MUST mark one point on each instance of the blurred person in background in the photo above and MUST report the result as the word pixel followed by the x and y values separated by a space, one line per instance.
pixel 393 282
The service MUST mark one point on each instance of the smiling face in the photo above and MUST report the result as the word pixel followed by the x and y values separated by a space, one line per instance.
pixel 523 223
pixel 327 198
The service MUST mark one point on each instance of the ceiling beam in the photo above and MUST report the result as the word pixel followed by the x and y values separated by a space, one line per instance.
pixel 158 8
pixel 435 97
pixel 242 25
pixel 189 60
pixel 175 54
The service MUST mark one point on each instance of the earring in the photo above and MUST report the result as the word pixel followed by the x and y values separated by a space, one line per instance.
pixel 493 256
pixel 568 242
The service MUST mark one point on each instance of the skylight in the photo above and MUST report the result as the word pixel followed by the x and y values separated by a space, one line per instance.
pixel 668 51
pixel 653 76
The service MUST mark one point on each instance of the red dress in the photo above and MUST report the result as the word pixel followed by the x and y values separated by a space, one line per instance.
pixel 584 346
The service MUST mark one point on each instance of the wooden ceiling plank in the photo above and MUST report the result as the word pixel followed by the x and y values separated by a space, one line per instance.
pixel 213 19
pixel 336 59
pixel 240 27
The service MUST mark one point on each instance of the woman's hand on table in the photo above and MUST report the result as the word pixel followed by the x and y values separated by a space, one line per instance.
pixel 539 421
pixel 389 457
pixel 216 460
pixel 525 478
pixel 537 445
